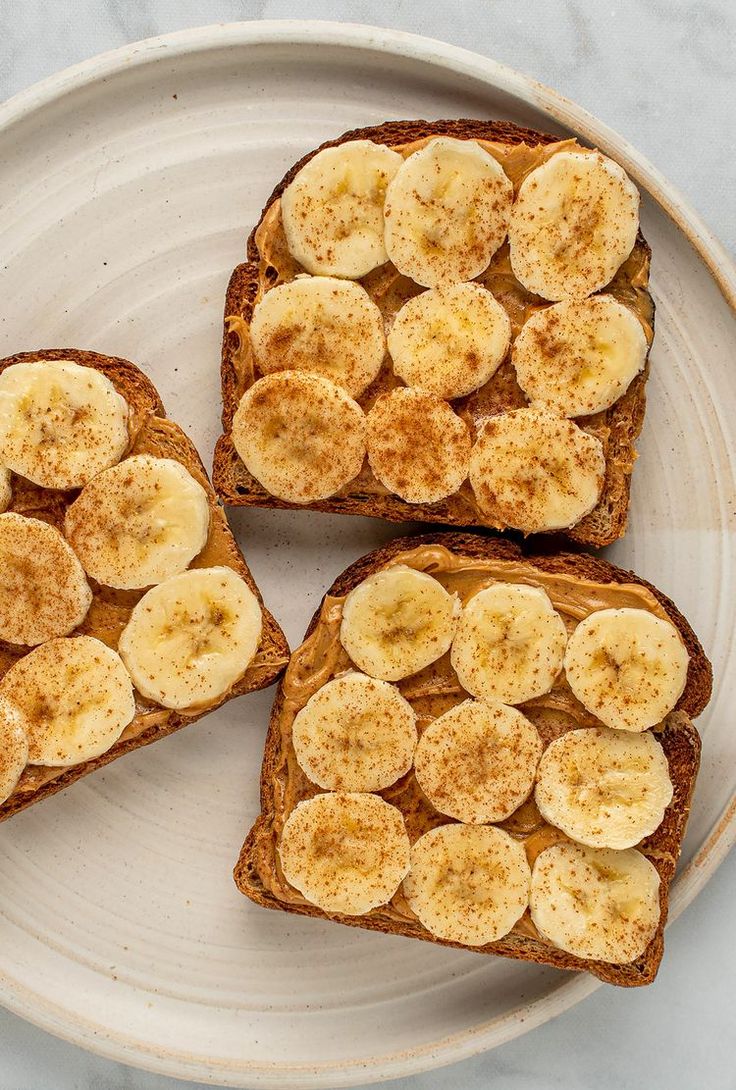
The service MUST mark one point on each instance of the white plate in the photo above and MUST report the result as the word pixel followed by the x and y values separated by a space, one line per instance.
pixel 127 188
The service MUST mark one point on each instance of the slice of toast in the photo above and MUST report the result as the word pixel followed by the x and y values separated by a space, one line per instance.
pixel 283 785
pixel 151 433
pixel 617 427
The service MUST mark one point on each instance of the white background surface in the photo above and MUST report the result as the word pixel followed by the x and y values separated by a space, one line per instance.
pixel 663 75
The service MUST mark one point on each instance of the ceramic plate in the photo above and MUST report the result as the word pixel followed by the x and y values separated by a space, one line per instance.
pixel 128 186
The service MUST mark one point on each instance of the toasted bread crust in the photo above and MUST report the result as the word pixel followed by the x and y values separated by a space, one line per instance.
pixel 680 741
pixel 149 421
pixel 235 485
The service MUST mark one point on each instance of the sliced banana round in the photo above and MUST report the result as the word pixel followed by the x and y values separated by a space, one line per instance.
pixel 13 746
pixel 319 324
pixel 417 446
pixel 450 340
pixel 355 734
pixel 332 211
pixel 189 639
pixel 60 423
pixel 398 621
pixel 468 883
pixel 345 852
pixel 138 522
pixel 580 356
pixel 43 590
pixel 573 224
pixel 605 788
pixel 447 212
pixel 6 489
pixel 626 666
pixel 300 435
pixel 75 696
pixel 595 902
pixel 477 762
pixel 510 643
pixel 536 471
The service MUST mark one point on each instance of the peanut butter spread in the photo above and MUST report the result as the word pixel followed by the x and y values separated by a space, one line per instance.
pixel 431 692
pixel 111 609
pixel 390 290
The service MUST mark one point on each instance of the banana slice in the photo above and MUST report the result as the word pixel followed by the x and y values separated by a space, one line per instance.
pixel 450 340
pixel 447 212
pixel 60 423
pixel 510 643
pixel 6 489
pixel 301 436
pixel 138 522
pixel 190 638
pixel 332 211
pixel 536 470
pixel 417 446
pixel 573 224
pixel 595 902
pixel 345 852
pixel 579 357
pixel 627 667
pixel 355 734
pixel 13 747
pixel 477 762
pixel 603 787
pixel 75 696
pixel 398 621
pixel 319 324
pixel 43 590
pixel 468 883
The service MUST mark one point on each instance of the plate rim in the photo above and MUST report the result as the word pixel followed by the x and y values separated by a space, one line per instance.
pixel 722 269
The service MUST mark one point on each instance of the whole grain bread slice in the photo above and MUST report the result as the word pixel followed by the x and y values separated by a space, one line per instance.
pixel 679 739
pixel 618 427
pixel 151 433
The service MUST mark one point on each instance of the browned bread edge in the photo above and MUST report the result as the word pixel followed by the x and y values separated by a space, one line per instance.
pixel 680 741
pixel 141 394
pixel 236 487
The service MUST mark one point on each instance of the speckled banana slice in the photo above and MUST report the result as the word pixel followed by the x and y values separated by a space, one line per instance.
pixel 6 489
pixel 60 423
pixel 573 224
pixel 510 643
pixel 605 788
pixel 468 883
pixel 579 357
pixel 447 212
pixel 300 435
pixel 398 621
pixel 13 747
pixel 450 340
pixel 536 471
pixel 75 696
pixel 43 589
pixel 323 325
pixel 355 734
pixel 595 902
pixel 627 667
pixel 332 211
pixel 345 852
pixel 417 446
pixel 138 522
pixel 477 762
pixel 190 638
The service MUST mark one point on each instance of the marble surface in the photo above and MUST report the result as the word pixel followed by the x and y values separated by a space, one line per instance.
pixel 664 75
